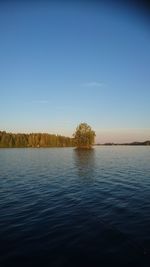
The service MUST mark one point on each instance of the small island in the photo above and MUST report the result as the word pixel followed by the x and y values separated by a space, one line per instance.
pixel 84 136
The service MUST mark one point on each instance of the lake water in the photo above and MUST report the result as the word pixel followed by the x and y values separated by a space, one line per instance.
pixel 63 207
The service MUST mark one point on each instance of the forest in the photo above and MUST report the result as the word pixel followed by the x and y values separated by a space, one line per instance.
pixel 34 140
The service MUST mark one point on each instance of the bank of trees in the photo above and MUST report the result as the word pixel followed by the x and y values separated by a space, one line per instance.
pixel 83 137
pixel 34 140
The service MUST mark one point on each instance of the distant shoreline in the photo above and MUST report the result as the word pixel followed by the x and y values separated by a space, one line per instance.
pixel 145 143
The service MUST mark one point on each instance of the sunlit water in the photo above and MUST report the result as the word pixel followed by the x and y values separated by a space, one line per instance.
pixel 63 207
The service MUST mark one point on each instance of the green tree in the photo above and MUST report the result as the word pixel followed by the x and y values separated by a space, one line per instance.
pixel 84 136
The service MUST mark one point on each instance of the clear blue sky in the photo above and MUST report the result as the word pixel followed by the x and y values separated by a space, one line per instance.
pixel 65 64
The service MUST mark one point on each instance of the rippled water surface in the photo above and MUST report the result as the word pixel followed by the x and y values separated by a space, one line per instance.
pixel 63 207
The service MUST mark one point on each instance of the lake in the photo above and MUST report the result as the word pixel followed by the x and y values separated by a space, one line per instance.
pixel 64 207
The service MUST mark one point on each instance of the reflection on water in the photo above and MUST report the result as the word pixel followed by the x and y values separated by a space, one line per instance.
pixel 85 163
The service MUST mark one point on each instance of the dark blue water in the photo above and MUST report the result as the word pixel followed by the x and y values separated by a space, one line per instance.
pixel 63 207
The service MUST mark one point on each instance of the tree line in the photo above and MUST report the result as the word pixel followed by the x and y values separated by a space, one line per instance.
pixel 34 140
pixel 83 138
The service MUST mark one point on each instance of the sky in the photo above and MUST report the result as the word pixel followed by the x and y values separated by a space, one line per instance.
pixel 65 63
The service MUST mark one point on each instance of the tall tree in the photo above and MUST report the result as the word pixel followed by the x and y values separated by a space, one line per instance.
pixel 84 136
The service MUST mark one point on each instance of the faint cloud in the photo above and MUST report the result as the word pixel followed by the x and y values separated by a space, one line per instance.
pixel 93 84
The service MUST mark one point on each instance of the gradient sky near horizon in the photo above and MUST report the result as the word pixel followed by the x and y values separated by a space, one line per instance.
pixel 62 64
